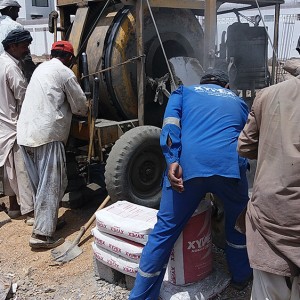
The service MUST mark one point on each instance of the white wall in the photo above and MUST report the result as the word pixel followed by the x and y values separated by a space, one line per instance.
pixel 27 11
pixel 42 38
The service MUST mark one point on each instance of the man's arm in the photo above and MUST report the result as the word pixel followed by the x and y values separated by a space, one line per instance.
pixel 17 84
pixel 249 136
pixel 170 139
pixel 76 97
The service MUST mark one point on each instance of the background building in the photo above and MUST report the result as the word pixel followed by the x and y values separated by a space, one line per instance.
pixel 34 16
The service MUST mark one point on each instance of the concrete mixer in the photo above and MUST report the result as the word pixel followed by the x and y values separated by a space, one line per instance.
pixel 128 44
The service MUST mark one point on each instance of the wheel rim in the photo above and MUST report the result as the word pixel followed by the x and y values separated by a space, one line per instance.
pixel 145 172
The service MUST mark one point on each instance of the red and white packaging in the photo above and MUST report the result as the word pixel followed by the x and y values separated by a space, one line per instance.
pixel 115 261
pixel 191 257
pixel 123 247
pixel 127 220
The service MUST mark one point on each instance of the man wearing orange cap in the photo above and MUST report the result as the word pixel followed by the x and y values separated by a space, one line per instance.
pixel 43 128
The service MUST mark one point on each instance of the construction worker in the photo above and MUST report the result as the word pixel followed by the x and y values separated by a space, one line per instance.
pixel 199 138
pixel 13 86
pixel 9 10
pixel 43 128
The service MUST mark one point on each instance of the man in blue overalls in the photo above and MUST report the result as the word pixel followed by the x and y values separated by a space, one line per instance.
pixel 199 140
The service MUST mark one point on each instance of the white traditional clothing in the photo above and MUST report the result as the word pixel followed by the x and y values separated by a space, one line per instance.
pixel 46 166
pixel 53 94
pixel 16 181
pixel 46 115
pixel 274 287
pixel 12 91
pixel 7 24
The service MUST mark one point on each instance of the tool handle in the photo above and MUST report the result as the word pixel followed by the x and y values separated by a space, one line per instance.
pixel 96 91
pixel 85 227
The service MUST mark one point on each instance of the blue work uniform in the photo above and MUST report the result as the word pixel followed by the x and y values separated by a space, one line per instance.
pixel 203 122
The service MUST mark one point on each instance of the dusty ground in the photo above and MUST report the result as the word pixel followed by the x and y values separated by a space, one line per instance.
pixel 38 277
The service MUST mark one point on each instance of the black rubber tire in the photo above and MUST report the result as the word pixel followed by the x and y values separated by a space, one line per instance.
pixel 135 166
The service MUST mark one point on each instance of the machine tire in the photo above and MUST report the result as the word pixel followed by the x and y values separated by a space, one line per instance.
pixel 134 167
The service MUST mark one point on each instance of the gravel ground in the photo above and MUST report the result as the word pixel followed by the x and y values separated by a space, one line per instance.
pixel 37 277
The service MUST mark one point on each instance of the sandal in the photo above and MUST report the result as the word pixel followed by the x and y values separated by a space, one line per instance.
pixel 14 214
pixel 42 241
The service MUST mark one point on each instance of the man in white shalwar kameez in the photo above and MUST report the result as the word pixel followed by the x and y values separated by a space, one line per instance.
pixel 53 94
pixel 9 10
pixel 12 91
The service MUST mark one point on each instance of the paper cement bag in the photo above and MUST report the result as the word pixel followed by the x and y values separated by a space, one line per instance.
pixel 127 220
pixel 115 261
pixel 191 257
pixel 125 248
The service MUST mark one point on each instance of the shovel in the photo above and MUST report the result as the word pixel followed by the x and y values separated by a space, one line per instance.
pixel 70 250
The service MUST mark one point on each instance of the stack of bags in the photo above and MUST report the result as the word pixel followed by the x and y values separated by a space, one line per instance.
pixel 121 232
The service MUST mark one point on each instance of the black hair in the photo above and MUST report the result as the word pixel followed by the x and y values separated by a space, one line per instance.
pixel 215 76
pixel 6 47
pixel 60 54
pixel 213 81
pixel 5 10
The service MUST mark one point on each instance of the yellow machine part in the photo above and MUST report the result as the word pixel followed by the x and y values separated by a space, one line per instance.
pixel 113 42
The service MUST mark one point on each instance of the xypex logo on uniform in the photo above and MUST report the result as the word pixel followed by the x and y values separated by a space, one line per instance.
pixel 215 91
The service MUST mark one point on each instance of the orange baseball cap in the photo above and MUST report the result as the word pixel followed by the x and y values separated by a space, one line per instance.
pixel 63 46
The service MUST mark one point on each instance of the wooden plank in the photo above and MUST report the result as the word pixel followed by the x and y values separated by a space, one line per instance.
pixel 140 62
pixel 192 4
pixel 78 28
pixel 210 30
pixel 69 2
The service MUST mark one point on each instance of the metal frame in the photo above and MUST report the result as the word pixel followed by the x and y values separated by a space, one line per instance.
pixel 209 7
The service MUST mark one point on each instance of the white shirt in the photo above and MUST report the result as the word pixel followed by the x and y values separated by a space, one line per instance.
pixel 12 92
pixel 7 24
pixel 53 94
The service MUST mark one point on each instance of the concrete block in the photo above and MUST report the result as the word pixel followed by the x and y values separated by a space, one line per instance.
pixel 106 273
pixel 129 282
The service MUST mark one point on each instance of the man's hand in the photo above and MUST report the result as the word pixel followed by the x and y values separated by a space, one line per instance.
pixel 175 177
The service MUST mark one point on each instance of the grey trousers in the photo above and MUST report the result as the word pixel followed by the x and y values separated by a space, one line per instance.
pixel 16 181
pixel 46 166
